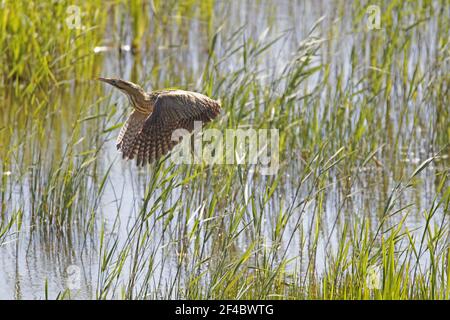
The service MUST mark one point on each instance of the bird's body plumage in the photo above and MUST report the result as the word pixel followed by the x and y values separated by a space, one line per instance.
pixel 147 133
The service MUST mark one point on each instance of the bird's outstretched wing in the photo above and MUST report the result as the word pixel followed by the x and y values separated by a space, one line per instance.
pixel 173 110
pixel 129 131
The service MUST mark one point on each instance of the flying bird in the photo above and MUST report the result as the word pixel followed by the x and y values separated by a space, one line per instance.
pixel 147 133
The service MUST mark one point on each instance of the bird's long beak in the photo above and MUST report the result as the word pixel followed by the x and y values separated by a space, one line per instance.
pixel 107 80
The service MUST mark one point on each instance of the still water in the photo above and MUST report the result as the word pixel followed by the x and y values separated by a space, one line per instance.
pixel 30 260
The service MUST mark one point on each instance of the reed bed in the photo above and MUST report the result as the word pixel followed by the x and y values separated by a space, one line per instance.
pixel 359 207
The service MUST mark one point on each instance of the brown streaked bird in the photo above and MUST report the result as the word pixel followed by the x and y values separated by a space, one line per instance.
pixel 147 133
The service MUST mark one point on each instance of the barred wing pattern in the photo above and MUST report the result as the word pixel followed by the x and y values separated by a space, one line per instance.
pixel 173 110
pixel 129 131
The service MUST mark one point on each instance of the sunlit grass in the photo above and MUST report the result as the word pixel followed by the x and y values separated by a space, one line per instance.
pixel 353 119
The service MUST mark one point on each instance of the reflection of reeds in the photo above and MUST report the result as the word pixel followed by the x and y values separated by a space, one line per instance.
pixel 349 104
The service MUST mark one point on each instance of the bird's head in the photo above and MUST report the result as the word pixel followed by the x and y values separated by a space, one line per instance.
pixel 134 92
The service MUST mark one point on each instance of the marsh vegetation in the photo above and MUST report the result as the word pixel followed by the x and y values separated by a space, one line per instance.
pixel 359 208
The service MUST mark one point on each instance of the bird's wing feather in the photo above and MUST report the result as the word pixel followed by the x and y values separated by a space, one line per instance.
pixel 129 131
pixel 173 110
